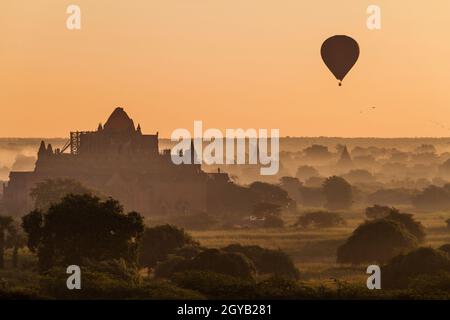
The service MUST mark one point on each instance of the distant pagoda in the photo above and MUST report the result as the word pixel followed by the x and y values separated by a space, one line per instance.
pixel 345 161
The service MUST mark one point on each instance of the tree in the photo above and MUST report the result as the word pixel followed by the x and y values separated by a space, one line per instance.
pixel 50 191
pixel 306 172
pixel 402 269
pixel 317 152
pixel 320 219
pixel 15 240
pixel 338 193
pixel 160 241
pixel 432 198
pixel 83 227
pixel 267 261
pixel 414 227
pixel 376 241
pixel 359 176
pixel 211 260
pixel 263 209
pixel 377 212
pixel 266 192
pixel 292 187
pixel 5 227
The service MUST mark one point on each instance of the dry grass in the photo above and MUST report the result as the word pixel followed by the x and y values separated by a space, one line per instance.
pixel 314 251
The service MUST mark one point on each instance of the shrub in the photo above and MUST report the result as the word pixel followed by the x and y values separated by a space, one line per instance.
pixel 399 272
pixel 433 198
pixel 111 282
pixel 320 219
pixel 212 260
pixel 406 219
pixel 377 212
pixel 267 261
pixel 338 193
pixel 158 242
pixel 376 241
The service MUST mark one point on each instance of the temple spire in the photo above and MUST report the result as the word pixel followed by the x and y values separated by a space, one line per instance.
pixel 49 149
pixel 138 129
pixel 42 150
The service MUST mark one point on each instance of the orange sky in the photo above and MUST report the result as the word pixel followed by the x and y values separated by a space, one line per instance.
pixel 232 64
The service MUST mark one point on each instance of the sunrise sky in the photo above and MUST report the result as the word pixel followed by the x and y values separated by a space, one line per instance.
pixel 232 64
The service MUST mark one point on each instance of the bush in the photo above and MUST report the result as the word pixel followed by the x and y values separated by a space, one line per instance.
pixel 211 260
pixel 320 219
pixel 267 261
pixel 406 219
pixel 402 269
pixel 111 280
pixel 433 198
pixel 376 241
pixel 158 242
pixel 338 193
pixel 432 286
pixel 377 212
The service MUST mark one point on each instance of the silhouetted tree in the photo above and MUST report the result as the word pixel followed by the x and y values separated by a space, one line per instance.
pixel 317 152
pixel 433 198
pixel 263 209
pixel 212 260
pixel 5 227
pixel 377 212
pixel 267 261
pixel 414 227
pixel 160 241
pixel 83 227
pixel 292 187
pixel 338 193
pixel 376 241
pixel 401 270
pixel 52 191
pixel 15 240
pixel 306 172
pixel 359 176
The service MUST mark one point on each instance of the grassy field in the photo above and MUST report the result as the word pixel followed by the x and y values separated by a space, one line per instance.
pixel 314 251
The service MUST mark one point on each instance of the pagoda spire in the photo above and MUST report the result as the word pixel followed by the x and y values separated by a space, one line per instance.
pixel 42 150
pixel 49 149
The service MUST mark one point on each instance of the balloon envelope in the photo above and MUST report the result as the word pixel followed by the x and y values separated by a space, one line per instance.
pixel 340 54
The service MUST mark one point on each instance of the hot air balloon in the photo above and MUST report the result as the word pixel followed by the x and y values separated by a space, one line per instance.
pixel 340 54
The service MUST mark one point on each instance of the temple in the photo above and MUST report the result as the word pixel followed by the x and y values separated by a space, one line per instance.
pixel 118 160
